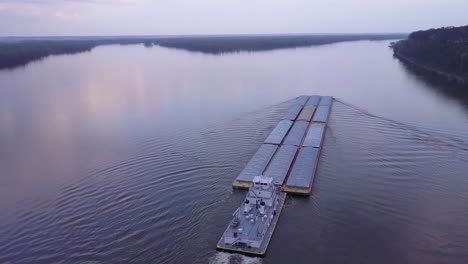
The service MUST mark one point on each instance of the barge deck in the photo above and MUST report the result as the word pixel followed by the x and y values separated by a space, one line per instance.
pixel 291 153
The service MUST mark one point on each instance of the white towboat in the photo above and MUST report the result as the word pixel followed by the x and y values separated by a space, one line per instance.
pixel 253 224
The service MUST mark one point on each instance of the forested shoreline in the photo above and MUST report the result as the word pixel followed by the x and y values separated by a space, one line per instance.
pixel 21 52
pixel 442 52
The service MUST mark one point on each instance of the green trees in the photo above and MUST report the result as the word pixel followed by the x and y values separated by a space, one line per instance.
pixel 443 48
pixel 14 54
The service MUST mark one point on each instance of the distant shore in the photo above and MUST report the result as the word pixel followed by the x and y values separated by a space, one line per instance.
pixel 20 51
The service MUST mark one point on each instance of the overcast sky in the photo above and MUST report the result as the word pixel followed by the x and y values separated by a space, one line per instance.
pixel 156 17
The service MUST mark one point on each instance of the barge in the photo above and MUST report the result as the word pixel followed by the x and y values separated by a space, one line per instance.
pixel 291 153
pixel 286 162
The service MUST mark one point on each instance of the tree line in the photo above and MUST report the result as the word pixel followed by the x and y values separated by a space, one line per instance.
pixel 443 48
pixel 13 54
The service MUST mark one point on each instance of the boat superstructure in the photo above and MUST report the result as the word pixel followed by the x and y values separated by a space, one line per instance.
pixel 254 221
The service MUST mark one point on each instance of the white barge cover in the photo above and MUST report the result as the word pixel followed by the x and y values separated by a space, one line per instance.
pixel 326 100
pixel 302 100
pixel 296 134
pixel 307 113
pixel 279 132
pixel 322 113
pixel 279 166
pixel 303 172
pixel 257 163
pixel 314 135
pixel 313 100
pixel 293 112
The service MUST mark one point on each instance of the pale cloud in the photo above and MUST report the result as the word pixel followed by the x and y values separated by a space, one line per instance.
pixel 67 16
pixel 59 2
pixel 64 11
pixel 4 6
pixel 27 9
pixel 153 17
pixel 56 7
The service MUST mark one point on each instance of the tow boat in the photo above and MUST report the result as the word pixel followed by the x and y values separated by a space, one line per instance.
pixel 253 224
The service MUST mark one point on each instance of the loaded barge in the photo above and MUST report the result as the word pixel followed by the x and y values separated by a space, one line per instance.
pixel 285 163
pixel 290 154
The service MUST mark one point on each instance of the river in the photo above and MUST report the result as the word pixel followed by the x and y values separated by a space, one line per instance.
pixel 126 154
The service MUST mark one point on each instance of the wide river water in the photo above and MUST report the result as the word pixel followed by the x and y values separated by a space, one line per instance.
pixel 126 154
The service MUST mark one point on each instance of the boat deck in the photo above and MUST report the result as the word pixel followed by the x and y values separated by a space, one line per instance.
pixel 250 229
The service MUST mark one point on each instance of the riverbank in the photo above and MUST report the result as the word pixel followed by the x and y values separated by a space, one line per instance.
pixel 441 52
pixel 438 73
pixel 16 52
